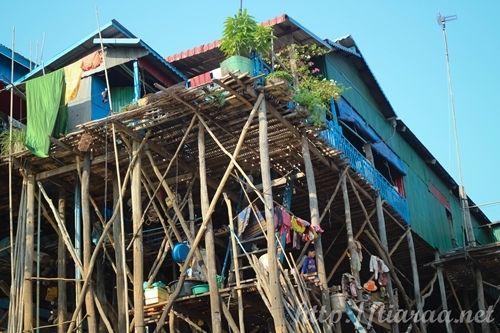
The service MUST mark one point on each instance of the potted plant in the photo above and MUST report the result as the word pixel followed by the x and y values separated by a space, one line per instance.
pixel 243 35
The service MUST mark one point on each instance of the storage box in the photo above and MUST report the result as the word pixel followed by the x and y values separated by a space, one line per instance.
pixel 155 295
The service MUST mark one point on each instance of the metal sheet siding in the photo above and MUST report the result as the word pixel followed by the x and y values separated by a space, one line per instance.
pixel 427 214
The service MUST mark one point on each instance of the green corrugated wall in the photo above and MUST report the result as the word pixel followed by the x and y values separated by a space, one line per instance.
pixel 427 214
pixel 121 97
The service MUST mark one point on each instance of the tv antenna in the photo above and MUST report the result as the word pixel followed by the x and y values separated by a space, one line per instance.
pixel 469 231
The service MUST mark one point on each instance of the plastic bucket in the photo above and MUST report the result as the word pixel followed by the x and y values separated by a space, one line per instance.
pixel 236 63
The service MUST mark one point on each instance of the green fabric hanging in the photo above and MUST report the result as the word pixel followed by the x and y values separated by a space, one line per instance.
pixel 47 114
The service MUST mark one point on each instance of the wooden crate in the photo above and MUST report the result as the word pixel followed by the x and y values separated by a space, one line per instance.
pixel 155 295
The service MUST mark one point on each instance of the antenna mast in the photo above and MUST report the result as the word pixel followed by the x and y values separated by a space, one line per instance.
pixel 467 223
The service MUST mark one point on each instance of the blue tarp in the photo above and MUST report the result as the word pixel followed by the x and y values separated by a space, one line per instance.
pixel 350 116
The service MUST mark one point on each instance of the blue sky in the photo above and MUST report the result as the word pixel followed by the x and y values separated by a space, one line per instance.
pixel 400 40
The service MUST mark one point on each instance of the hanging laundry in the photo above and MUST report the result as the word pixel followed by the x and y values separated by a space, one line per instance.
pixel 298 225
pixel 356 257
pixel 92 61
pixel 46 117
pixel 380 269
pixel 72 77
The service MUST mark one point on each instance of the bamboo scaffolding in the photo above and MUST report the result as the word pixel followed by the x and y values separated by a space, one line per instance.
pixel 211 208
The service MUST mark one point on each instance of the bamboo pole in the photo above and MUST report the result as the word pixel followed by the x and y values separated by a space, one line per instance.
pixel 442 290
pixel 107 227
pixel 209 237
pixel 28 257
pixel 350 237
pixel 122 307
pixel 265 167
pixel 137 252
pixel 382 232
pixel 481 303
pixel 62 312
pixel 211 209
pixel 416 278
pixel 87 243
pixel 239 294
pixel 315 221
pixel 467 324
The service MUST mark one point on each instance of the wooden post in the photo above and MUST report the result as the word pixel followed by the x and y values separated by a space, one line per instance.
pixel 61 268
pixel 416 279
pixel 442 289
pixel 138 258
pixel 209 237
pixel 28 256
pixel 236 264
pixel 382 233
pixel 315 221
pixel 265 166
pixel 87 243
pixel 481 303
pixel 348 226
pixel 121 277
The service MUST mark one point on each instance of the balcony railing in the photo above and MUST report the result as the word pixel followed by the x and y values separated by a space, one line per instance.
pixel 333 137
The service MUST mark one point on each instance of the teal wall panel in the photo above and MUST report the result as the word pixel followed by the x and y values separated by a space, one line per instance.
pixel 427 215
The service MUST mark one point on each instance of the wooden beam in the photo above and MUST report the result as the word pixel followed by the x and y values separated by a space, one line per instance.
pixel 136 197
pixel 121 280
pixel 315 221
pixel 209 237
pixel 87 242
pixel 28 255
pixel 481 302
pixel 442 290
pixel 350 236
pixel 467 324
pixel 416 279
pixel 62 312
pixel 211 209
pixel 236 264
pixel 275 298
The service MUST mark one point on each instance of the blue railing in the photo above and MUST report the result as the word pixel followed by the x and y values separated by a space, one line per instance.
pixel 333 137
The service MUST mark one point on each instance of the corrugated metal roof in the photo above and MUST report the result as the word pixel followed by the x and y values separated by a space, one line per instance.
pixel 7 52
pixel 113 29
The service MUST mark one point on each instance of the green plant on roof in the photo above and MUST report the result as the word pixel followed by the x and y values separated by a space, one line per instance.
pixel 310 88
pixel 18 137
pixel 242 35
pixel 284 75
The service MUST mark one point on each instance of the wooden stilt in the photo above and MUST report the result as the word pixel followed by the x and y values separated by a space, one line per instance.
pixel 121 279
pixel 467 325
pixel 28 256
pixel 481 303
pixel 416 279
pixel 87 243
pixel 236 264
pixel 201 230
pixel 137 252
pixel 382 234
pixel 442 290
pixel 209 237
pixel 61 269
pixel 350 237
pixel 315 221
pixel 265 167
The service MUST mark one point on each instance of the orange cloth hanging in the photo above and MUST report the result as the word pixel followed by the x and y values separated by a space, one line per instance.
pixel 92 61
